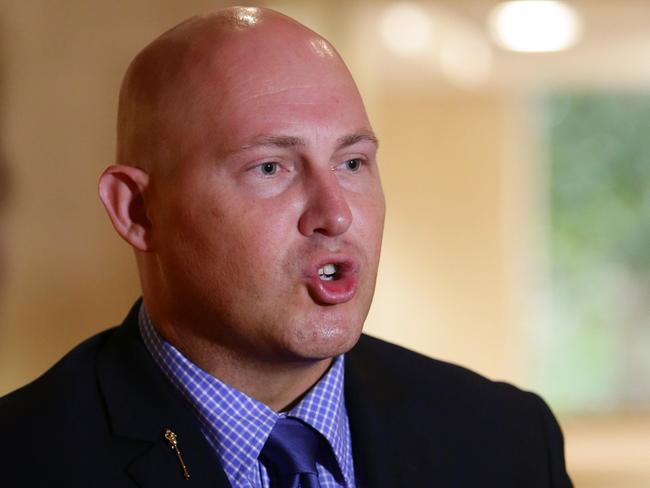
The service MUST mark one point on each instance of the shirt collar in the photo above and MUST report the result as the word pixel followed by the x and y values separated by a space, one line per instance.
pixel 237 425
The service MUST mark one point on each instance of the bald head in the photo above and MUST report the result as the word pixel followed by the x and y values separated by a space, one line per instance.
pixel 207 63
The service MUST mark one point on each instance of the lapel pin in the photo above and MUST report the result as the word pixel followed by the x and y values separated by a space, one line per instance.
pixel 172 439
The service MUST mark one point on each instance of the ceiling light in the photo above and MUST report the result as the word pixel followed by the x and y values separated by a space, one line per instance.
pixel 534 25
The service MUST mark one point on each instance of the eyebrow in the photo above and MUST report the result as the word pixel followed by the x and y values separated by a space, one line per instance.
pixel 276 141
pixel 291 141
pixel 359 136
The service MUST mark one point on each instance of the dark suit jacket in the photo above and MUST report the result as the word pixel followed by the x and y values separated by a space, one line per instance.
pixel 97 419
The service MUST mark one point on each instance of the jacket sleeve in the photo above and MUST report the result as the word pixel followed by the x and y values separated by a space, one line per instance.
pixel 554 445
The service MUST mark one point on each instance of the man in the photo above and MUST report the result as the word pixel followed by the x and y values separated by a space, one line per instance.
pixel 247 184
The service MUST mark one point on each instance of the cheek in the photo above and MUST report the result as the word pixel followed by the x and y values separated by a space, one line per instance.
pixel 368 215
pixel 266 222
pixel 251 238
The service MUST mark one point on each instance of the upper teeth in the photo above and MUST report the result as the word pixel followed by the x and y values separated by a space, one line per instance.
pixel 328 269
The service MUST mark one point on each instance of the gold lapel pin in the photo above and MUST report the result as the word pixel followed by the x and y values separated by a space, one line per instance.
pixel 172 439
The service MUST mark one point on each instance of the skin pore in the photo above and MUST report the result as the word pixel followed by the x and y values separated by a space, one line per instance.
pixel 245 165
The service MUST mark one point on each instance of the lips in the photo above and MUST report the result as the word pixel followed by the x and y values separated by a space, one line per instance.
pixel 332 280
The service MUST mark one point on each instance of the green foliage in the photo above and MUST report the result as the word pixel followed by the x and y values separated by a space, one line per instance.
pixel 599 205
pixel 600 178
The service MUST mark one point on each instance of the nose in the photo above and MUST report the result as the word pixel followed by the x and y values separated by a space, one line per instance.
pixel 326 211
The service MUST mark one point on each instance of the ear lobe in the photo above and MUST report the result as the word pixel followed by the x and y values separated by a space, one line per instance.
pixel 121 190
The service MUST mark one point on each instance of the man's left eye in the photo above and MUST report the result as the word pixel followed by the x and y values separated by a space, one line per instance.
pixel 353 164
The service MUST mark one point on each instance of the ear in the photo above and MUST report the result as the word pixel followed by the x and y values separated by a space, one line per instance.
pixel 121 190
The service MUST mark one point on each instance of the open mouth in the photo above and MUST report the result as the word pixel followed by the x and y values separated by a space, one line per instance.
pixel 335 281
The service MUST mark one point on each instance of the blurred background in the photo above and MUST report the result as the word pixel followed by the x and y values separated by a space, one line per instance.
pixel 515 153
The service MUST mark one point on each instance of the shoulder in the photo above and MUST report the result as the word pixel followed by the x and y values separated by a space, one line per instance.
pixel 459 415
pixel 56 420
pixel 59 388
pixel 405 370
pixel 421 382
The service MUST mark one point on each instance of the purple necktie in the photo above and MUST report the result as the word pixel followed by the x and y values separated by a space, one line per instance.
pixel 290 454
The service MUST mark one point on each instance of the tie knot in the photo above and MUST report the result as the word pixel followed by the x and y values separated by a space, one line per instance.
pixel 291 448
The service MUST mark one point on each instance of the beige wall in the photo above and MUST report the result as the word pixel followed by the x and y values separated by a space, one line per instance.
pixel 67 275
pixel 442 285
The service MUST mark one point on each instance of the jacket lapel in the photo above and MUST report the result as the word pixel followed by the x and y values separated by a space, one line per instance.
pixel 141 406
pixel 159 466
pixel 387 453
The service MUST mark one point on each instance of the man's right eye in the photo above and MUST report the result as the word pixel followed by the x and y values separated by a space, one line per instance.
pixel 268 169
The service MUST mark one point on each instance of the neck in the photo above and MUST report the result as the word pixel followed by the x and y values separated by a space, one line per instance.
pixel 278 387
pixel 277 384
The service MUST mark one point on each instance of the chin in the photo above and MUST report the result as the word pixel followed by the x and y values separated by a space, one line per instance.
pixel 327 337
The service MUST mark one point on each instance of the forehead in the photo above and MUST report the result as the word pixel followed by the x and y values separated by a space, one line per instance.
pixel 292 108
pixel 244 91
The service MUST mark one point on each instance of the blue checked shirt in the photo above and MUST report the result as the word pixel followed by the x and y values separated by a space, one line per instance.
pixel 237 426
